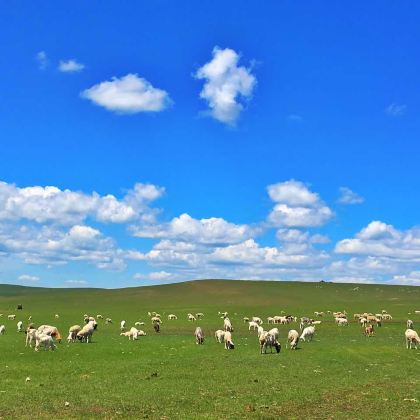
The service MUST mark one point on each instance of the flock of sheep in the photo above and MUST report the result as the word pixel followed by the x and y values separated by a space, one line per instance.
pixel 44 336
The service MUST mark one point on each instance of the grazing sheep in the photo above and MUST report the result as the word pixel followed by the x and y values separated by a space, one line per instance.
pixel 267 340
pixel 228 341
pixel 258 320
pixel 270 320
pixel 73 330
pixel 99 316
pixel 50 330
pixel 191 317
pixel 308 333
pixel 85 334
pixel 56 316
pixel 172 317
pixel 11 317
pixel 156 320
pixel 316 322
pixel 410 324
pixel 122 325
pixel 369 331
pixel 293 339
pixel 224 314
pixel 199 315
pixel 19 326
pixel 30 336
pixel 341 322
pixel 132 334
pixel 44 340
pixel 227 325
pixel 138 324
pixel 199 336
pixel 387 317
pixel 219 335
pixel 246 319
pixel 141 333
pixel 253 325
pixel 411 337
pixel 2 329
pixel 363 321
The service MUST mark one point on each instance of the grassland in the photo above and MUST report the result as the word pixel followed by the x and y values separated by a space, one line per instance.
pixel 340 375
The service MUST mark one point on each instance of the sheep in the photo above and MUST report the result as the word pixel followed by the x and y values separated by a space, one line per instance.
pixel 270 320
pixel 199 315
pixel 228 341
pixel 260 331
pixel 141 333
pixel 224 314
pixel 410 324
pixel 56 316
pixel 122 325
pixel 156 319
pixel 363 321
pixel 132 334
pixel 369 331
pixel 44 340
pixel 199 336
pixel 227 325
pixel 387 317
pixel 268 340
pixel 253 325
pixel 11 317
pixel 245 319
pixel 139 324
pixel 85 334
pixel 293 339
pixel 275 333
pixel 2 329
pixel 19 326
pixel 319 314
pixel 258 320
pixel 156 327
pixel 31 333
pixel 341 322
pixel 308 333
pixel 316 322
pixel 73 330
pixel 108 321
pixel 99 316
pixel 356 316
pixel 191 317
pixel 172 316
pixel 411 337
pixel 50 330
pixel 219 335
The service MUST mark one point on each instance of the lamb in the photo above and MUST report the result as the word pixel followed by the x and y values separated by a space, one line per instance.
pixel 252 325
pixel 308 333
pixel 19 326
pixel 44 340
pixel 410 324
pixel 50 330
pixel 275 333
pixel 172 316
pixel 228 341
pixel 199 336
pixel 268 340
pixel 369 331
pixel 122 325
pixel 73 330
pixel 411 337
pixel 219 336
pixel 2 329
pixel 85 334
pixel 11 317
pixel 227 325
pixel 293 339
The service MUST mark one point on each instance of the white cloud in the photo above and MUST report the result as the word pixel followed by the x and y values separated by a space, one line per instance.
pixel 42 59
pixel 298 236
pixel 156 275
pixel 51 205
pixel 396 110
pixel 207 231
pixel 226 84
pixel 295 118
pixel 347 196
pixel 411 279
pixel 297 206
pixel 27 277
pixel 76 282
pixel 70 66
pixel 129 94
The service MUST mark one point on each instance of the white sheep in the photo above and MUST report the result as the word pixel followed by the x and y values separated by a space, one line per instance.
pixel 56 316
pixel 43 340
pixel 411 337
pixel 50 330
pixel 172 317
pixel 19 326
pixel 191 317
pixel 199 336
pixel 11 317
pixel 139 324
pixel 228 341
pixel 73 330
pixel 308 333
pixel 268 340
pixel 30 336
pixel 99 316
pixel 227 325
pixel 108 321
pixel 2 329
pixel 410 324
pixel 220 336
pixel 275 333
pixel 245 319
pixel 141 333
pixel 199 315
pixel 258 320
pixel 122 325
pixel 293 339
pixel 132 334
pixel 85 334
pixel 341 322
pixel 253 325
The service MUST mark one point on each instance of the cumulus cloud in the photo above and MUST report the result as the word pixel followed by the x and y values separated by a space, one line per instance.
pixel 396 110
pixel 297 206
pixel 383 240
pixel 70 66
pixel 410 279
pixel 155 275
pixel 347 196
pixel 52 205
pixel 206 231
pixel 27 277
pixel 42 60
pixel 226 85
pixel 129 94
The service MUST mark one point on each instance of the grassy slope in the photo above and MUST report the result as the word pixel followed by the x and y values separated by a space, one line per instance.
pixel 340 375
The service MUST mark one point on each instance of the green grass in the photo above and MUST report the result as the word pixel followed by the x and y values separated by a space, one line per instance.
pixel 342 374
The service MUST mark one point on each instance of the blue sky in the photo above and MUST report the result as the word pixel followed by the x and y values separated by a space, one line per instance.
pixel 159 129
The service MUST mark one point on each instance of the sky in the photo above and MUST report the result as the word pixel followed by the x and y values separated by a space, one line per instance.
pixel 154 142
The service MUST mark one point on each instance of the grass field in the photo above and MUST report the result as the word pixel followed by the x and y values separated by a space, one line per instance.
pixel 341 374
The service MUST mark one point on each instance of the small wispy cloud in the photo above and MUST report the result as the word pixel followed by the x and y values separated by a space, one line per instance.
pixel 70 66
pixel 156 275
pixel 27 277
pixel 347 196
pixel 396 110
pixel 295 118
pixel 42 60
pixel 76 282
